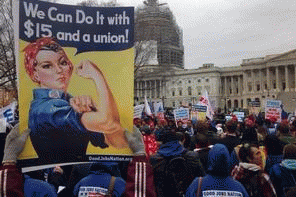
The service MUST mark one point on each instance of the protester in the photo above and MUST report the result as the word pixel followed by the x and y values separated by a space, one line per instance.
pixel 230 139
pixel 283 175
pixel 274 148
pixel 202 129
pixel 180 127
pixel 149 141
pixel 284 133
pixel 104 179
pixel 11 177
pixel 218 181
pixel 140 178
pixel 189 129
pixel 250 172
pixel 250 135
pixel 169 150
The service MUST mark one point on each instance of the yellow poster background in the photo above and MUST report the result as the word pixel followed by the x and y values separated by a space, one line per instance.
pixel 118 69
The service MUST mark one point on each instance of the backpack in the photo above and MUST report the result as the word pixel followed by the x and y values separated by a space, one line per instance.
pixel 173 176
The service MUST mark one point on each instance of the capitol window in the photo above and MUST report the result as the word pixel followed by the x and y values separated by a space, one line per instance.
pixel 189 91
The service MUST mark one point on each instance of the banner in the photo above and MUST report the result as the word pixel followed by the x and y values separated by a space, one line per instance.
pixel 138 110
pixel 75 70
pixel 273 109
pixel 181 114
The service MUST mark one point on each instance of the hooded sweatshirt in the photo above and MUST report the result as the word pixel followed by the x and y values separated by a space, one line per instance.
pixel 35 187
pixel 217 182
pixel 283 176
pixel 98 180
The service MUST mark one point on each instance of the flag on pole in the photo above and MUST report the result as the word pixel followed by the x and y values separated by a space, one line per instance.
pixel 204 100
pixel 147 108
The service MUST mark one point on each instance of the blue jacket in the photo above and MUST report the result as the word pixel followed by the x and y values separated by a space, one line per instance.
pixel 97 182
pixel 283 176
pixel 173 148
pixel 57 133
pixel 34 187
pixel 218 180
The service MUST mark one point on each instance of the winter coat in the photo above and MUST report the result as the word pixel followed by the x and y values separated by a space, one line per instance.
pixel 256 182
pixel 283 176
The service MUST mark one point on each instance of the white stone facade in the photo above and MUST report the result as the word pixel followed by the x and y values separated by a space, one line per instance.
pixel 270 77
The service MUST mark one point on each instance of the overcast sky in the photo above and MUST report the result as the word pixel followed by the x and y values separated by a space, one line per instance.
pixel 224 32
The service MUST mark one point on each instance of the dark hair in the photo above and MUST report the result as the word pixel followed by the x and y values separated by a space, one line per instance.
pixel 284 127
pixel 274 146
pixel 202 126
pixel 168 134
pixel 245 153
pixel 250 136
pixel 290 151
pixel 231 126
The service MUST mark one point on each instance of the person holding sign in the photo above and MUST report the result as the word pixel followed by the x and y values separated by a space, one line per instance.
pixel 62 125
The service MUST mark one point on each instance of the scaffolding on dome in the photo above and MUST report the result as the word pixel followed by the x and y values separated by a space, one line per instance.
pixel 155 21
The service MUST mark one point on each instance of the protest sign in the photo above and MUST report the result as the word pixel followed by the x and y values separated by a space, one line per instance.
pixel 72 51
pixel 198 112
pixel 138 110
pixel 240 116
pixel 199 108
pixel 254 107
pixel 273 109
pixel 158 110
pixel 8 112
pixel 181 114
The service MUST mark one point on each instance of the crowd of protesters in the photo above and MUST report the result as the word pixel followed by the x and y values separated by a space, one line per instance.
pixel 252 157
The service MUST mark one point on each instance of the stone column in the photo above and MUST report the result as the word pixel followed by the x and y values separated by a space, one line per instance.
pixel 244 82
pixel 145 89
pixel 239 84
pixel 295 77
pixel 287 78
pixel 261 80
pixel 163 85
pixel 138 90
pixel 225 86
pixel 232 84
pixel 268 79
pixel 277 78
pixel 151 89
pixel 253 82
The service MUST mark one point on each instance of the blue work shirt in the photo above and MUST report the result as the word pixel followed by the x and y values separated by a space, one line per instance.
pixel 57 133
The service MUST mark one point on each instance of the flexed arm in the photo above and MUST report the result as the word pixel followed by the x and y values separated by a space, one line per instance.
pixel 105 118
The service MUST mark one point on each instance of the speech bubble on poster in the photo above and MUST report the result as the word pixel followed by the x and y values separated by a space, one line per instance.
pixel 85 28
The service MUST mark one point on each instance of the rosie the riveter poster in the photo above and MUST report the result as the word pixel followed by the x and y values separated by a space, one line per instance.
pixel 75 71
